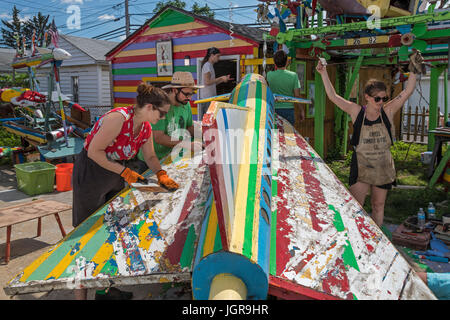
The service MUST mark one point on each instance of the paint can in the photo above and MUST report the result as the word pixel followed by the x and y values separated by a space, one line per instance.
pixel 425 157
pixel 56 134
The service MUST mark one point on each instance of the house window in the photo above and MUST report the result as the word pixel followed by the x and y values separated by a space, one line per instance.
pixel 75 96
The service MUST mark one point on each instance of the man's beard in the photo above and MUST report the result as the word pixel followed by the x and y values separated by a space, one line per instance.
pixel 183 102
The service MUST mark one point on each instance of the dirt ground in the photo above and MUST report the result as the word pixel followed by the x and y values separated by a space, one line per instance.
pixel 26 247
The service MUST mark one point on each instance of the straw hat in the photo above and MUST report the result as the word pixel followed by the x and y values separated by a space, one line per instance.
pixel 181 79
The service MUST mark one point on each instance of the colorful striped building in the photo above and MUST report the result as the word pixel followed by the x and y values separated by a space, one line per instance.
pixel 135 59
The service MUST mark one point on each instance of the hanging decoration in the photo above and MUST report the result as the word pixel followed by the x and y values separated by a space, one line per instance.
pixel 279 19
pixel 264 55
pixel 262 12
pixel 231 24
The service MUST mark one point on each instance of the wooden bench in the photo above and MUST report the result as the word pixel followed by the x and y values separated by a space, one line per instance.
pixel 28 211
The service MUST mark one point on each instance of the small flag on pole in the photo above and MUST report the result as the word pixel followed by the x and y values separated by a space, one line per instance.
pixel 53 31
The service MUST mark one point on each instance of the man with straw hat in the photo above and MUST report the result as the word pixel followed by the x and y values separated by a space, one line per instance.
pixel 167 133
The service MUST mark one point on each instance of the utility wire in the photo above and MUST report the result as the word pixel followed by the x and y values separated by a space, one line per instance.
pixel 96 25
pixel 107 33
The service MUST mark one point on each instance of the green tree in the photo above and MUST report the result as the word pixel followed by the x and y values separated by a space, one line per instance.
pixel 202 11
pixel 40 24
pixel 15 27
pixel 196 8
pixel 175 3
pixel 11 29
pixel 20 80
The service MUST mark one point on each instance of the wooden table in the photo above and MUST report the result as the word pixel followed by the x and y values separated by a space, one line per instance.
pixel 28 211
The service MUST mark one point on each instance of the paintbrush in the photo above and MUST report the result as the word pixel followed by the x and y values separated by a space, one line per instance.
pixel 146 185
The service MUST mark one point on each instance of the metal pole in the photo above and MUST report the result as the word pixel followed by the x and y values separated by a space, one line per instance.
pixel 61 107
pixel 127 20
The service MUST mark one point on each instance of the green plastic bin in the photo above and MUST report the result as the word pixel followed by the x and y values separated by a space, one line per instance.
pixel 35 177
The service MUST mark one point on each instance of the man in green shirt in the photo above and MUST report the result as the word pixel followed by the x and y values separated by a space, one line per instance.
pixel 168 132
pixel 285 82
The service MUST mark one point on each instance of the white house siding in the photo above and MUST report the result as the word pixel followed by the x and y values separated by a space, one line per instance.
pixel 106 86
pixel 423 86
pixel 421 98
pixel 94 87
pixel 88 90
pixel 79 58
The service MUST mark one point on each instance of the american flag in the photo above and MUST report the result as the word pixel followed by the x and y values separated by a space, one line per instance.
pixel 53 31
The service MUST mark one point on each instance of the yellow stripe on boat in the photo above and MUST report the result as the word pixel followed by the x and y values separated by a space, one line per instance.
pixel 65 262
pixel 238 234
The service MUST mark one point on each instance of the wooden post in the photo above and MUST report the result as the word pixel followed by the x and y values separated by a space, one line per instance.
pixel 434 94
pixel 226 286
pixel 319 117
pixel 422 136
pixel 39 227
pixel 408 124
pixel 416 118
pixel 8 244
pixel 63 232
pixel 445 96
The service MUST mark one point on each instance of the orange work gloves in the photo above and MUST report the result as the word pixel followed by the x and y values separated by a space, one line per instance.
pixel 165 181
pixel 131 176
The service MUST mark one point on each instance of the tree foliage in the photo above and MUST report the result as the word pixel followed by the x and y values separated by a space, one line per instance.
pixel 202 11
pixel 11 29
pixel 196 8
pixel 20 80
pixel 24 29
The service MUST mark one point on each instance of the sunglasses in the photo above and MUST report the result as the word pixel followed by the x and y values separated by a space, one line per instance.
pixel 378 99
pixel 162 113
pixel 187 95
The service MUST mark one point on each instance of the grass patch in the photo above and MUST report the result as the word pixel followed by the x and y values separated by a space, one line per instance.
pixel 8 139
pixel 402 203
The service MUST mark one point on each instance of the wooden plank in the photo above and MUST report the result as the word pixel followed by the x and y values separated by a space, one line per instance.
pixel 30 210
pixel 422 135
pixel 416 118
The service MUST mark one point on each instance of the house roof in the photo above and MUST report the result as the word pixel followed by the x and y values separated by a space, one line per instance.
pixel 250 33
pixel 6 58
pixel 96 49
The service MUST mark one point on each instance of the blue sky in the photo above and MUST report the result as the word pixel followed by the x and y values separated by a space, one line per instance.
pixel 96 17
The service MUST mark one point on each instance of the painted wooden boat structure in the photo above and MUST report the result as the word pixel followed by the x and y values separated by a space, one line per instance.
pixel 325 245
pixel 258 205
pixel 135 238
pixel 239 137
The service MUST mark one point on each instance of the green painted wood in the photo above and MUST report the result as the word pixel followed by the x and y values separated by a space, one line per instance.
pixel 338 113
pixel 187 254
pixel 170 18
pixel 249 215
pixel 445 96
pixel 434 95
pixel 319 116
pixel 439 169
pixel 358 26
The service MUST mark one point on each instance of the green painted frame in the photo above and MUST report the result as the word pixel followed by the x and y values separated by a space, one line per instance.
pixel 302 78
